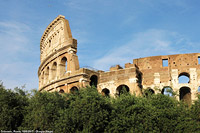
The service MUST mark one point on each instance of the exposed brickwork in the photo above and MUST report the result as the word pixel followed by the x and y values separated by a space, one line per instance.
pixel 59 69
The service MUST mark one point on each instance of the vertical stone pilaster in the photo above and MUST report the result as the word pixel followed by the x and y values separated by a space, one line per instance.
pixel 157 79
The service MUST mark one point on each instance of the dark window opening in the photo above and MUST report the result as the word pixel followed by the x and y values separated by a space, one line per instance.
pixel 185 95
pixel 165 62
pixel 93 80
pixel 61 91
pixel 198 59
pixel 49 43
pixel 54 70
pixel 64 65
pixel 149 91
pixel 74 89
pixel 122 89
pixel 105 92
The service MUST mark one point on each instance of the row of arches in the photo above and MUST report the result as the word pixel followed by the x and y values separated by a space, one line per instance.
pixel 121 89
pixel 184 93
pixel 53 71
pixel 74 89
pixel 93 82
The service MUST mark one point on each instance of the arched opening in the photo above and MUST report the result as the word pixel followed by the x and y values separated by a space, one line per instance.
pixel 185 95
pixel 47 75
pixel 54 70
pixel 105 92
pixel 93 80
pixel 167 91
pixel 42 78
pixel 63 65
pixel 149 91
pixel 184 78
pixel 74 89
pixel 61 91
pixel 198 89
pixel 122 89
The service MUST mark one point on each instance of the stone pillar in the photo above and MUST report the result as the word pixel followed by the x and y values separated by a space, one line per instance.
pixel 60 70
pixel 73 63
pixel 157 79
pixel 174 82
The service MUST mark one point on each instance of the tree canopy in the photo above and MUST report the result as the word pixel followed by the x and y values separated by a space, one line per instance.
pixel 88 111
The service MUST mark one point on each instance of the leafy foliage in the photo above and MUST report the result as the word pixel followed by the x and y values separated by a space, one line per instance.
pixel 42 111
pixel 12 108
pixel 89 111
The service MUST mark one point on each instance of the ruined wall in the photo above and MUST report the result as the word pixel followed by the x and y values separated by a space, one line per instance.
pixel 117 76
pixel 57 54
pixel 156 74
pixel 59 69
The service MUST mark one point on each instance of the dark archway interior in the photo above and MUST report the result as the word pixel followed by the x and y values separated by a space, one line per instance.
pixel 105 92
pixel 61 91
pixel 149 91
pixel 185 95
pixel 93 80
pixel 64 63
pixel 122 89
pixel 74 89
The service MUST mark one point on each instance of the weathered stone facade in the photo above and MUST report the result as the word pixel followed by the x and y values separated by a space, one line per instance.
pixel 60 71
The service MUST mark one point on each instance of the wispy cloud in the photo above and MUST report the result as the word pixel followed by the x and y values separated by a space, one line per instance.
pixel 148 43
pixel 16 57
pixel 13 37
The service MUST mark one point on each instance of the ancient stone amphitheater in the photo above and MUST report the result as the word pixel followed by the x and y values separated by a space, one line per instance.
pixel 60 71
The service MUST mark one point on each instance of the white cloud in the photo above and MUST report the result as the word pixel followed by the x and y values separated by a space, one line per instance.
pixel 149 43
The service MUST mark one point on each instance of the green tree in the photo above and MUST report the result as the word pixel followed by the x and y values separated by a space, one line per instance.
pixel 12 108
pixel 88 112
pixel 43 111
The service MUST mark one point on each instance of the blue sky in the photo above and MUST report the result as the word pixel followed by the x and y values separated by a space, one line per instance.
pixel 109 32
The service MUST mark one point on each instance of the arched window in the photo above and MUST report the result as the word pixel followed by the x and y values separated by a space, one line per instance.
pixel 167 91
pixel 185 94
pixel 149 91
pixel 42 78
pixel 184 78
pixel 61 91
pixel 54 70
pixel 63 65
pixel 105 92
pixel 93 80
pixel 122 89
pixel 47 75
pixel 74 89
pixel 198 90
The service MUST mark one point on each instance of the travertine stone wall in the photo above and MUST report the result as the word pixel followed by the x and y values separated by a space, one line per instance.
pixel 59 69
pixel 155 75
pixel 118 76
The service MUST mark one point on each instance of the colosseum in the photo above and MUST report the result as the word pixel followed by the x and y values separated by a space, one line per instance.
pixel 59 69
